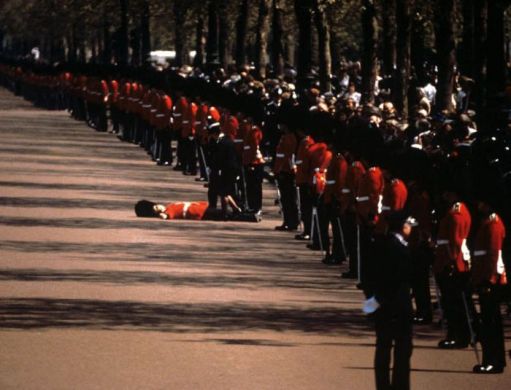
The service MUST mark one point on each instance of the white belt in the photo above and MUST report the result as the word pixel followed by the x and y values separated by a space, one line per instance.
pixel 186 122
pixel 465 251
pixel 160 115
pixel 480 253
pixel 191 138
pixel 238 141
pixel 298 162
pixel 186 206
pixel 177 115
pixel 362 198
pixel 198 122
pixel 345 191
pixel 385 208
pixel 246 147
pixel 154 110
pixel 500 264
pixel 280 155
pixel 330 182
pixel 146 105
pixel 442 242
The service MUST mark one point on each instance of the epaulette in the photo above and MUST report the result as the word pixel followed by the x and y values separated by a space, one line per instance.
pixel 493 217
pixel 457 207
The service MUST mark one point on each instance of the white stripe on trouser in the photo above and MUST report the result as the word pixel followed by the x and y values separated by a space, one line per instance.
pixel 359 262
pixel 341 235
pixel 315 217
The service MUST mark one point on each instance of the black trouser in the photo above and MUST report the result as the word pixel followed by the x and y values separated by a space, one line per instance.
pixel 423 257
pixel 163 147
pixel 115 115
pixel 393 328
pixel 180 150
pixel 288 195
pixel 335 246
pixel 203 163
pixel 349 224
pixel 306 207
pixel 453 287
pixel 189 155
pixel 254 178
pixel 320 224
pixel 491 331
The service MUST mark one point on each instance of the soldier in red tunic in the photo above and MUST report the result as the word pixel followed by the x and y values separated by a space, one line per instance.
pixel 488 275
pixel 304 189
pixel 284 170
pixel 451 268
pixel 335 182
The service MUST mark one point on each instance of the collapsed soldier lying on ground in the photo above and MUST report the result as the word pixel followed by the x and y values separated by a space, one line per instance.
pixel 192 211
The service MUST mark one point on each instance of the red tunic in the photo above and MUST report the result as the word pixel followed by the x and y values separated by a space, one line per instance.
pixel 303 160
pixel 487 263
pixel 335 179
pixel 186 210
pixel 251 153
pixel 453 230
pixel 285 154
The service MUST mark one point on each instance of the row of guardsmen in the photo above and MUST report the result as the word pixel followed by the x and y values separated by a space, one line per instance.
pixel 152 118
pixel 331 194
pixel 340 203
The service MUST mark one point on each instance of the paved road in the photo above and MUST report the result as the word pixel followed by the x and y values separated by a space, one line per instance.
pixel 93 298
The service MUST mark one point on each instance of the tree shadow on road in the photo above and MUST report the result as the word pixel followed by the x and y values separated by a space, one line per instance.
pixel 177 318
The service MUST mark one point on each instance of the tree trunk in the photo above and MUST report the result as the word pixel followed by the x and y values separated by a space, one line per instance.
pixel 325 56
pixel 212 42
pixel 389 36
pixel 241 33
pixel 145 27
pixel 467 53
pixel 418 47
pixel 107 41
pixel 135 47
pixel 199 43
pixel 224 44
pixel 263 30
pixel 480 32
pixel 496 66
pixel 179 37
pixel 303 10
pixel 403 43
pixel 277 47
pixel 123 34
pixel 369 61
pixel 446 53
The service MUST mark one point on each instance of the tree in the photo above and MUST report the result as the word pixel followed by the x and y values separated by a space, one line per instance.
pixel 263 30
pixel 303 10
pixel 369 60
pixel 277 48
pixel 325 57
pixel 241 33
pixel 212 41
pixel 123 34
pixel 145 29
pixel 446 53
pixel 404 31
pixel 180 10
pixel 389 36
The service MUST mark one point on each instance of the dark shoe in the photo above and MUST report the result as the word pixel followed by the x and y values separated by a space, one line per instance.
pixel 178 168
pixel 349 275
pixel 452 344
pixel 285 228
pixel 200 179
pixel 487 369
pixel 313 247
pixel 329 260
pixel 302 237
pixel 422 320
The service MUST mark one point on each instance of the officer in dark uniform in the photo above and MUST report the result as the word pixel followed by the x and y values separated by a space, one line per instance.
pixel 389 273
